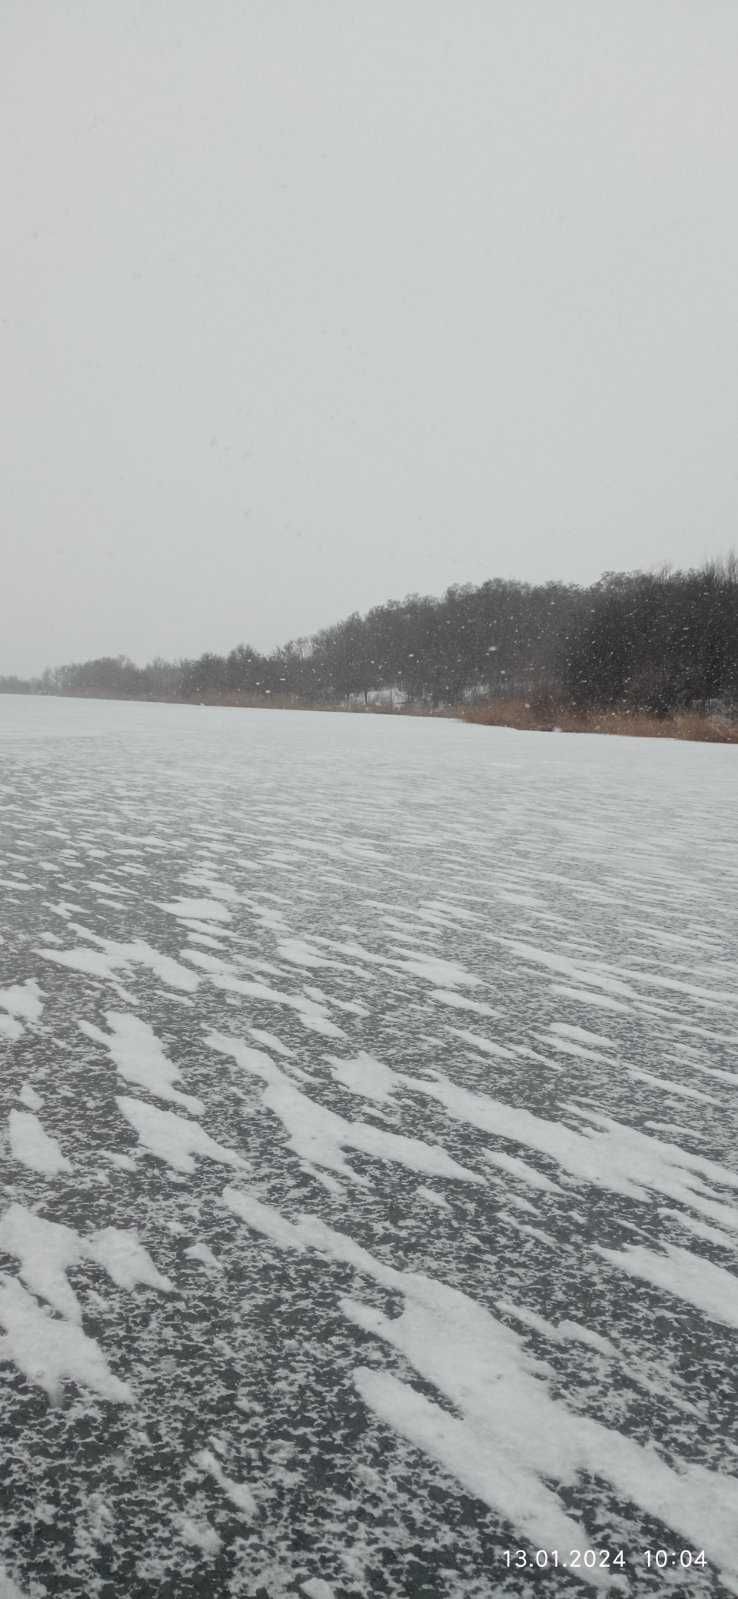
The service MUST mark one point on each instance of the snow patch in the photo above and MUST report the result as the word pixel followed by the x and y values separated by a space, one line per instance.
pixel 318 1135
pixel 311 1014
pixel 202 1253
pixel 23 999
pixel 364 1075
pixel 32 1146
pixel 204 910
pixel 29 1097
pixel 172 1139
pixel 139 1057
pixel 198 1534
pixel 47 1249
pixel 611 1156
pixel 239 1493
pixel 683 1274
pixel 51 1351
pixel 8 1588
pixel 520 1168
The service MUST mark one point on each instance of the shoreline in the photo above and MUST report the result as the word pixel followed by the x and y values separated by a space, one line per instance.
pixel 515 713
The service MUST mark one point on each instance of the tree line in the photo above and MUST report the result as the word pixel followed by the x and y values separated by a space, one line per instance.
pixel 656 642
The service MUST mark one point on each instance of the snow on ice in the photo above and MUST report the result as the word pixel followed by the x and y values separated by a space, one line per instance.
pixel 369 1195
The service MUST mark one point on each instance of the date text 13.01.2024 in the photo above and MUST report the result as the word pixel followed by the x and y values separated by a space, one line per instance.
pixel 602 1559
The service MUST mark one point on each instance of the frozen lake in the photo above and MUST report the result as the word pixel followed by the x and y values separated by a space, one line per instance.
pixel 370 1195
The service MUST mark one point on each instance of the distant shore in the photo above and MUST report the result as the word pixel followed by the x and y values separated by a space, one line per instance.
pixel 527 717
pixel 517 713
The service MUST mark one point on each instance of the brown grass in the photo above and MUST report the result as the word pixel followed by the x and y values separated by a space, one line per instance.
pixel 528 717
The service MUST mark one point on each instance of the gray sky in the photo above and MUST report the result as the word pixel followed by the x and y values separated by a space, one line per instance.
pixel 306 304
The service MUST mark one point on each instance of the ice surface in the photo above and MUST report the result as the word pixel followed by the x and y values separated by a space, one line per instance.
pixel 239 1493
pixel 368 1117
pixel 509 1436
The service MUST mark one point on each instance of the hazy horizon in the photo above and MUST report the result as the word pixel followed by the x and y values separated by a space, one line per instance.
pixel 304 309
pixel 155 655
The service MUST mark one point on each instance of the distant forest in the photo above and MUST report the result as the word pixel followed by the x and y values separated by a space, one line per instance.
pixel 635 641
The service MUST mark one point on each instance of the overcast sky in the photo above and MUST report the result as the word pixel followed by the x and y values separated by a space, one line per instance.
pixel 307 304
